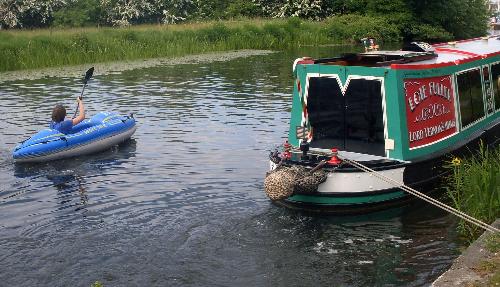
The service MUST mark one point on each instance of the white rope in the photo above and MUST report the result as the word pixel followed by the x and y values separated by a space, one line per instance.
pixel 423 196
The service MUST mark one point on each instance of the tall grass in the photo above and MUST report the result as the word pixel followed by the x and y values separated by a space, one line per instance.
pixel 474 187
pixel 21 49
pixel 49 48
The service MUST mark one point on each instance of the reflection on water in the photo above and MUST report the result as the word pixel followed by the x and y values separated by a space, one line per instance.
pixel 182 203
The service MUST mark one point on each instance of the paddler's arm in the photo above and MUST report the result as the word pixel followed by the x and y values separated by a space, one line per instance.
pixel 81 112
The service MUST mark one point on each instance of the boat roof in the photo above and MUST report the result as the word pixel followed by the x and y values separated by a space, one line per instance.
pixel 454 53
pixel 435 56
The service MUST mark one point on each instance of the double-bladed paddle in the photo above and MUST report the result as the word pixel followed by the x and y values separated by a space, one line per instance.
pixel 88 75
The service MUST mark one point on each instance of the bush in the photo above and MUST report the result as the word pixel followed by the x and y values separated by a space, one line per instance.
pixel 81 13
pixel 80 42
pixel 242 8
pixel 428 33
pixel 355 27
pixel 218 32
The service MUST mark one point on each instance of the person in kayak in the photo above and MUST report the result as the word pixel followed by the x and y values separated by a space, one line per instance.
pixel 59 114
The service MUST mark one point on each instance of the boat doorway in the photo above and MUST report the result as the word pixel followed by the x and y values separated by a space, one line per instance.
pixel 349 118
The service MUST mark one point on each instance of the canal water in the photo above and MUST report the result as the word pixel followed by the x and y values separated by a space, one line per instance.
pixel 182 203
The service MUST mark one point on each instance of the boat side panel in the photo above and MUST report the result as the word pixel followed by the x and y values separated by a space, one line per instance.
pixel 465 134
pixel 395 104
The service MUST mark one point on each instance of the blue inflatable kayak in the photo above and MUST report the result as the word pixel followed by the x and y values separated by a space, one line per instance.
pixel 98 133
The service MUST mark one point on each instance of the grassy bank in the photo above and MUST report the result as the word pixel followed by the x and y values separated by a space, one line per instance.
pixel 50 48
pixel 474 187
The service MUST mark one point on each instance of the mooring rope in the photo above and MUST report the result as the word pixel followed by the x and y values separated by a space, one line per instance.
pixel 422 196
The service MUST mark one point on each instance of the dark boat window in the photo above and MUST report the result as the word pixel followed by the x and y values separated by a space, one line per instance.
pixel 470 93
pixel 495 77
pixel 325 106
pixel 353 122
pixel 364 116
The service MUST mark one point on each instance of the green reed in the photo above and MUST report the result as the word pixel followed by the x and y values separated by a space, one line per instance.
pixel 50 48
pixel 474 187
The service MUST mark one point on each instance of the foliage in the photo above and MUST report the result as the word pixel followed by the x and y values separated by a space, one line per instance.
pixel 492 242
pixel 243 8
pixel 210 9
pixel 433 20
pixel 495 279
pixel 223 9
pixel 341 7
pixel 309 9
pixel 36 13
pixel 50 48
pixel 428 33
pixel 81 13
pixel 490 269
pixel 474 188
pixel 354 27
pixel 126 12
pixel 31 13
pixel 387 7
pixel 174 11
pixel 462 18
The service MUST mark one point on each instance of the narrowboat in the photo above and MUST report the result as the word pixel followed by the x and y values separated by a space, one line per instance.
pixel 401 113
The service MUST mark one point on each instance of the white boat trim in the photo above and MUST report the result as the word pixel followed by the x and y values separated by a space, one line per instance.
pixel 359 181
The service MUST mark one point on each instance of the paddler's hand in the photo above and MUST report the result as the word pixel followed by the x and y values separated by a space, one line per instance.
pixel 81 110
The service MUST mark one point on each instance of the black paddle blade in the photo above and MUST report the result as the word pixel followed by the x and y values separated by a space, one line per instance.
pixel 89 74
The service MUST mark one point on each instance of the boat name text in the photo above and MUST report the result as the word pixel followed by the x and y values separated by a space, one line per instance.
pixel 426 91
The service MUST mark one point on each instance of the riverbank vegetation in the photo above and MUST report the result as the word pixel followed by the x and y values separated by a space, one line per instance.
pixel 29 49
pixel 413 18
pixel 49 48
pixel 147 27
pixel 474 187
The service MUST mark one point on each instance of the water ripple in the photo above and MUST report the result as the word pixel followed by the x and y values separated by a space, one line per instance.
pixel 182 203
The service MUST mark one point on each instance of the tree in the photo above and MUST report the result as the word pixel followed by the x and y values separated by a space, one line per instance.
pixel 309 9
pixel 81 13
pixel 243 8
pixel 127 12
pixel 124 12
pixel 342 7
pixel 28 13
pixel 463 18
pixel 415 19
